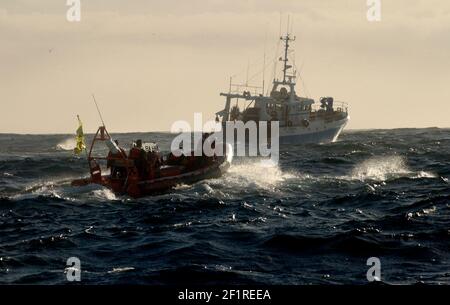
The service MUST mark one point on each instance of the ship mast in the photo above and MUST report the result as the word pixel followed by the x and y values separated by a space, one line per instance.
pixel 286 40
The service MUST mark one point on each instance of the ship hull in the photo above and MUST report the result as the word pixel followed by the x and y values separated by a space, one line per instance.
pixel 319 132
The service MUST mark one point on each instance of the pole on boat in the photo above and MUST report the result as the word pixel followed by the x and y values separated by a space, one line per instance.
pixel 98 110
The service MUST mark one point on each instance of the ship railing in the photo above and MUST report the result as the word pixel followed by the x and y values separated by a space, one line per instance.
pixel 245 90
pixel 339 109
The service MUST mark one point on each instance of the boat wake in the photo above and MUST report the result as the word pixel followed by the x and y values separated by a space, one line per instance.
pixel 256 176
pixel 104 194
pixel 263 174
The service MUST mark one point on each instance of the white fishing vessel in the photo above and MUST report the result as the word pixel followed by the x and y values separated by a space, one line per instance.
pixel 300 119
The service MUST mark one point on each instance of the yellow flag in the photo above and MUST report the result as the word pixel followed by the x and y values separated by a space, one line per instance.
pixel 81 145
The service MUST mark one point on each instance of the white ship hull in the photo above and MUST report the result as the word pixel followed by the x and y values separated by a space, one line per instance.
pixel 316 132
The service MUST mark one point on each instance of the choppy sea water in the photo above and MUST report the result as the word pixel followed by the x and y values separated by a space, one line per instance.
pixel 315 218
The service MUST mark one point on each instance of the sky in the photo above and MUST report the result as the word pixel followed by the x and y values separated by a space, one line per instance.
pixel 151 63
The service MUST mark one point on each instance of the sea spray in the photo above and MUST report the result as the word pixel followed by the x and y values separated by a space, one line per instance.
pixel 385 168
pixel 67 144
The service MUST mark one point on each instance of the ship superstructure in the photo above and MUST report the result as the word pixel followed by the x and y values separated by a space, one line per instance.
pixel 300 119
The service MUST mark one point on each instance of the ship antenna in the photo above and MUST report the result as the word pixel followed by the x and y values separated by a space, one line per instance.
pixel 276 54
pixel 286 47
pixel 248 68
pixel 281 19
pixel 98 110
pixel 286 40
pixel 264 62
pixel 292 25
pixel 287 24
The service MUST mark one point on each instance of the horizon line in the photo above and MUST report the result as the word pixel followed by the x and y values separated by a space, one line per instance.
pixel 169 132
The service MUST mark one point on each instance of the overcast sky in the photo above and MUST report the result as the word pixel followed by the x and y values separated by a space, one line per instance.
pixel 151 62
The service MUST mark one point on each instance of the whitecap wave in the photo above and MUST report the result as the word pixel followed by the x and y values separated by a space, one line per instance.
pixel 122 269
pixel 263 174
pixel 385 168
pixel 67 144
pixel 423 174
pixel 105 193
pixel 48 188
pixel 182 186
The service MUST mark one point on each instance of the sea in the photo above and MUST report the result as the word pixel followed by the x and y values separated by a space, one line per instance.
pixel 320 215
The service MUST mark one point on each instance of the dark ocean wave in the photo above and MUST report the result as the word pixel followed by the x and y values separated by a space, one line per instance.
pixel 315 218
pixel 352 243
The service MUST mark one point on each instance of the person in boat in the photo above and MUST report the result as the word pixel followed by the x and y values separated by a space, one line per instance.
pixel 154 162
pixel 112 162
pixel 202 160
pixel 139 156
pixel 177 157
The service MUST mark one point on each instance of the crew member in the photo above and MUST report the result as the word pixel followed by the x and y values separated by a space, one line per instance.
pixel 203 159
pixel 154 162
pixel 138 155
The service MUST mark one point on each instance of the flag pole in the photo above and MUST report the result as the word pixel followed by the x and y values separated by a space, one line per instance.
pixel 85 148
